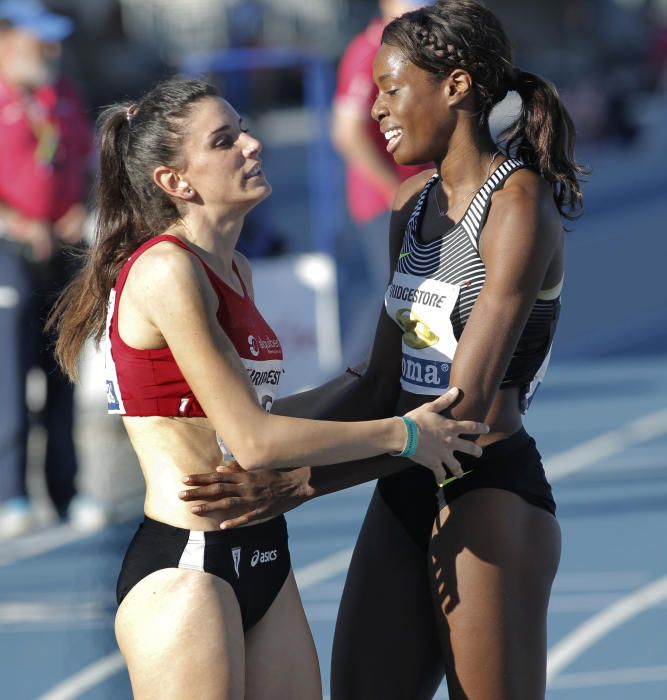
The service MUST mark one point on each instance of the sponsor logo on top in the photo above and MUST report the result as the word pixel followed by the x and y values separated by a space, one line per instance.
pixel 268 344
pixel 424 373
pixel 254 345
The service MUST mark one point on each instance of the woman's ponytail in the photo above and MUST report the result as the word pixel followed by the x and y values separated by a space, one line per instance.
pixel 543 136
pixel 129 207
pixel 464 34
pixel 80 312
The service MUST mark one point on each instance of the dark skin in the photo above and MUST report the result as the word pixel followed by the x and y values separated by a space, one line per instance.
pixel 492 556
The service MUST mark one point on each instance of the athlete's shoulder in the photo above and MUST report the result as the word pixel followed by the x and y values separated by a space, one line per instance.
pixel 410 188
pixel 166 268
pixel 525 207
pixel 525 188
pixel 405 200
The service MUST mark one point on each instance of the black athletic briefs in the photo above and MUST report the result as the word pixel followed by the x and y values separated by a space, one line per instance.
pixel 254 560
pixel 513 465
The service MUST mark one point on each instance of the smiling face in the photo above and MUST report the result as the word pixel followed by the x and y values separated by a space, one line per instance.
pixel 222 160
pixel 413 110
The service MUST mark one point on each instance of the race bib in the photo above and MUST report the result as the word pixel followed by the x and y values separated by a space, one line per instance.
pixel 422 308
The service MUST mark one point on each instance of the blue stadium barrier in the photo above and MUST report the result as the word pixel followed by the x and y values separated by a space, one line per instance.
pixel 324 197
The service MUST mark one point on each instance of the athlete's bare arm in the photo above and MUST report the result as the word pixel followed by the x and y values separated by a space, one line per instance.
pixel 177 300
pixel 521 247
pixel 256 495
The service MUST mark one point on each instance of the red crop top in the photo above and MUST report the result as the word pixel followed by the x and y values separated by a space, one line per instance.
pixel 150 383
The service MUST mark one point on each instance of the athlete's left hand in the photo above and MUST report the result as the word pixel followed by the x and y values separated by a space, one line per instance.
pixel 242 497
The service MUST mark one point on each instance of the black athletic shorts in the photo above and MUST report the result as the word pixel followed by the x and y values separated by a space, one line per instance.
pixel 513 464
pixel 254 560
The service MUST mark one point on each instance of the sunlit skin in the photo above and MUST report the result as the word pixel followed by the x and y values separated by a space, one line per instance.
pixel 219 153
pixel 213 183
pixel 409 99
pixel 437 122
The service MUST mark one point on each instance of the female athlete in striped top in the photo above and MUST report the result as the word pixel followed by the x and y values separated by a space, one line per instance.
pixel 472 301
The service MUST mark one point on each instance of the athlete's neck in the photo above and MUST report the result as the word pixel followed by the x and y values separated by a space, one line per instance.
pixel 465 165
pixel 218 237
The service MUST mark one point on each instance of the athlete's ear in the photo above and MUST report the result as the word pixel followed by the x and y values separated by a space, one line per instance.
pixel 457 86
pixel 169 181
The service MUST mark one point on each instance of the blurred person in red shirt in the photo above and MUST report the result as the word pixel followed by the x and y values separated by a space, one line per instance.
pixel 45 144
pixel 372 175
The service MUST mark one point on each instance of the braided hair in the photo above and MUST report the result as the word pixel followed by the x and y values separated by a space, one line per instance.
pixel 463 34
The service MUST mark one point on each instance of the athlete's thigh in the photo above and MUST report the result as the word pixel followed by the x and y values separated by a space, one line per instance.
pixel 181 635
pixel 386 643
pixel 281 660
pixel 493 560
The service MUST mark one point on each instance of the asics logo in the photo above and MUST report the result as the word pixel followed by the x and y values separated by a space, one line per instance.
pixel 263 557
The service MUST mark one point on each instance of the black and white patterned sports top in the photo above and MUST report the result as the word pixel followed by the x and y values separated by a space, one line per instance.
pixel 434 288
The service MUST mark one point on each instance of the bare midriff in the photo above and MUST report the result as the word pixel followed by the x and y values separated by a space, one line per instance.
pixel 169 449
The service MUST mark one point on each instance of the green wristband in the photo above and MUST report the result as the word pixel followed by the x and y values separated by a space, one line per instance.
pixel 412 440
pixel 453 478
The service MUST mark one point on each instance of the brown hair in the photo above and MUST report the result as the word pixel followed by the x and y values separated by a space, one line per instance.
pixel 134 138
pixel 463 34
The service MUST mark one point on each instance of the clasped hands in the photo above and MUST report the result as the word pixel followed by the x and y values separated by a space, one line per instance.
pixel 243 497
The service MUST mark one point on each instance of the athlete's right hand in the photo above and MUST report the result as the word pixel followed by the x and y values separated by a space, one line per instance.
pixel 242 497
pixel 440 437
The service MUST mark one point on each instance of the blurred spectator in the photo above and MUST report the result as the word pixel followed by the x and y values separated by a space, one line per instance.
pixel 45 143
pixel 371 173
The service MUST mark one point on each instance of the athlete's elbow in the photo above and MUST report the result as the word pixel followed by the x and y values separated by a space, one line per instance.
pixel 253 454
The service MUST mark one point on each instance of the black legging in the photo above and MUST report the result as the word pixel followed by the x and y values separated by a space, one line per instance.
pixel 386 644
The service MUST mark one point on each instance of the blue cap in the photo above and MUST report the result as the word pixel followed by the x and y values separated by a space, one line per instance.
pixel 33 17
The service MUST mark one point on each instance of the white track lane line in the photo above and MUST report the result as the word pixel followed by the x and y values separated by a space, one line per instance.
pixel 588 453
pixel 88 677
pixel 38 543
pixel 324 569
pixel 56 536
pixel 616 676
pixel 640 430
pixel 598 626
